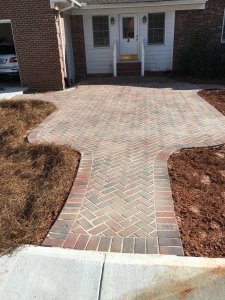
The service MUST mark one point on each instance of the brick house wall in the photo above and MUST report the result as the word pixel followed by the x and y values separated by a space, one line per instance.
pixel 207 22
pixel 36 37
pixel 77 33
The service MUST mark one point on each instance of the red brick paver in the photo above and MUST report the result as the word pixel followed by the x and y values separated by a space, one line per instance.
pixel 125 130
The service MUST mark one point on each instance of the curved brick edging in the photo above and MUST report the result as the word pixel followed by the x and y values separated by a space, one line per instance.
pixel 169 240
pixel 61 234
pixel 66 233
pixel 75 227
pixel 213 110
pixel 167 227
pixel 33 135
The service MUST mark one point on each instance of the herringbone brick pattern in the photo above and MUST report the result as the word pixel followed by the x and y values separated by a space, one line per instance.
pixel 123 124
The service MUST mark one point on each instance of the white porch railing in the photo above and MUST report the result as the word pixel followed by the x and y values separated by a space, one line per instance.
pixel 115 58
pixel 142 56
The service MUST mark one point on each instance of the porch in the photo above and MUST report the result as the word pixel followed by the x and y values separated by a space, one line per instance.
pixel 122 38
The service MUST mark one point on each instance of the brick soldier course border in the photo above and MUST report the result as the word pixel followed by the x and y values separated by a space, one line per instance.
pixel 169 241
pixel 103 212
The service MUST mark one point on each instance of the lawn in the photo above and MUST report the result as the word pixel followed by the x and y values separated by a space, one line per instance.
pixel 35 179
pixel 197 178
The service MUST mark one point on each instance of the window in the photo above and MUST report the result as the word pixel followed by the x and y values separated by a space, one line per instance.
pixel 156 28
pixel 101 31
pixel 223 29
pixel 128 28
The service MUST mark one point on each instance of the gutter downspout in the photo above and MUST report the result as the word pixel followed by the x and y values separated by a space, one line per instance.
pixel 77 4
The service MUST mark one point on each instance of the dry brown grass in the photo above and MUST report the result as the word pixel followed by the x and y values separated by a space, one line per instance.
pixel 35 179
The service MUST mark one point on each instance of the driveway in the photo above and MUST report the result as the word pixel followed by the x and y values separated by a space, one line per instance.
pixel 125 128
pixel 11 88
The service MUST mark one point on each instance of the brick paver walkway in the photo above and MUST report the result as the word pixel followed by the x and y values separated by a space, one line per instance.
pixel 125 129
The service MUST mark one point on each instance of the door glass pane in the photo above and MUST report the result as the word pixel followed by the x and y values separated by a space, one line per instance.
pixel 128 28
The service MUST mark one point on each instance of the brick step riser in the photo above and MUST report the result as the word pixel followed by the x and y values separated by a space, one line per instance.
pixel 132 70
pixel 129 64
pixel 128 67
pixel 135 71
pixel 129 74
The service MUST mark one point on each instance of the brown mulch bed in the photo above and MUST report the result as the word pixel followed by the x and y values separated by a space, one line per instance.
pixel 197 178
pixel 35 179
pixel 214 97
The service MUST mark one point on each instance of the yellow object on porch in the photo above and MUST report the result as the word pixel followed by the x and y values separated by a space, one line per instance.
pixel 129 57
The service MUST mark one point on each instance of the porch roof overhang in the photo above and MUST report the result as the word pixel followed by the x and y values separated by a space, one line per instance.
pixel 124 4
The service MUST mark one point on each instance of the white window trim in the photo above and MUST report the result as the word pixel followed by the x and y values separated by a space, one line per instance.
pixel 100 47
pixel 164 41
pixel 223 28
pixel 5 21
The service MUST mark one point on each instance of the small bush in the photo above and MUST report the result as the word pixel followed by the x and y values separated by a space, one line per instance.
pixel 203 59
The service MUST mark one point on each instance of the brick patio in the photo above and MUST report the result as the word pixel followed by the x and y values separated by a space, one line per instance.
pixel 125 129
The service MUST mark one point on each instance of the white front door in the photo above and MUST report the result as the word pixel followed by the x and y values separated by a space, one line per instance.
pixel 128 36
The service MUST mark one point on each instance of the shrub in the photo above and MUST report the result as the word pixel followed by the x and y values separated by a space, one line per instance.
pixel 203 59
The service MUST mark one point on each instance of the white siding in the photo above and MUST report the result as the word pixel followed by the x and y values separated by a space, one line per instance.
pixel 99 59
pixel 69 50
pixel 158 57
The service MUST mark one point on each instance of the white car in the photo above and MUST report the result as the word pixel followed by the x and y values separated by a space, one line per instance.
pixel 8 60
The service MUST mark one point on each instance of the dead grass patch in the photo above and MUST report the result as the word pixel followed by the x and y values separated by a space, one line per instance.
pixel 35 179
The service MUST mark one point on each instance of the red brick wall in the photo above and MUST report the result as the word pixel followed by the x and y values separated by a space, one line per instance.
pixel 77 33
pixel 36 39
pixel 208 22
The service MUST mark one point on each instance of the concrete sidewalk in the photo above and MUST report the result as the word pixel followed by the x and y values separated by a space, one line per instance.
pixel 11 89
pixel 56 273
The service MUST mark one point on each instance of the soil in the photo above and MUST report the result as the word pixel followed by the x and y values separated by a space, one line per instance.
pixel 35 179
pixel 197 178
pixel 214 97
